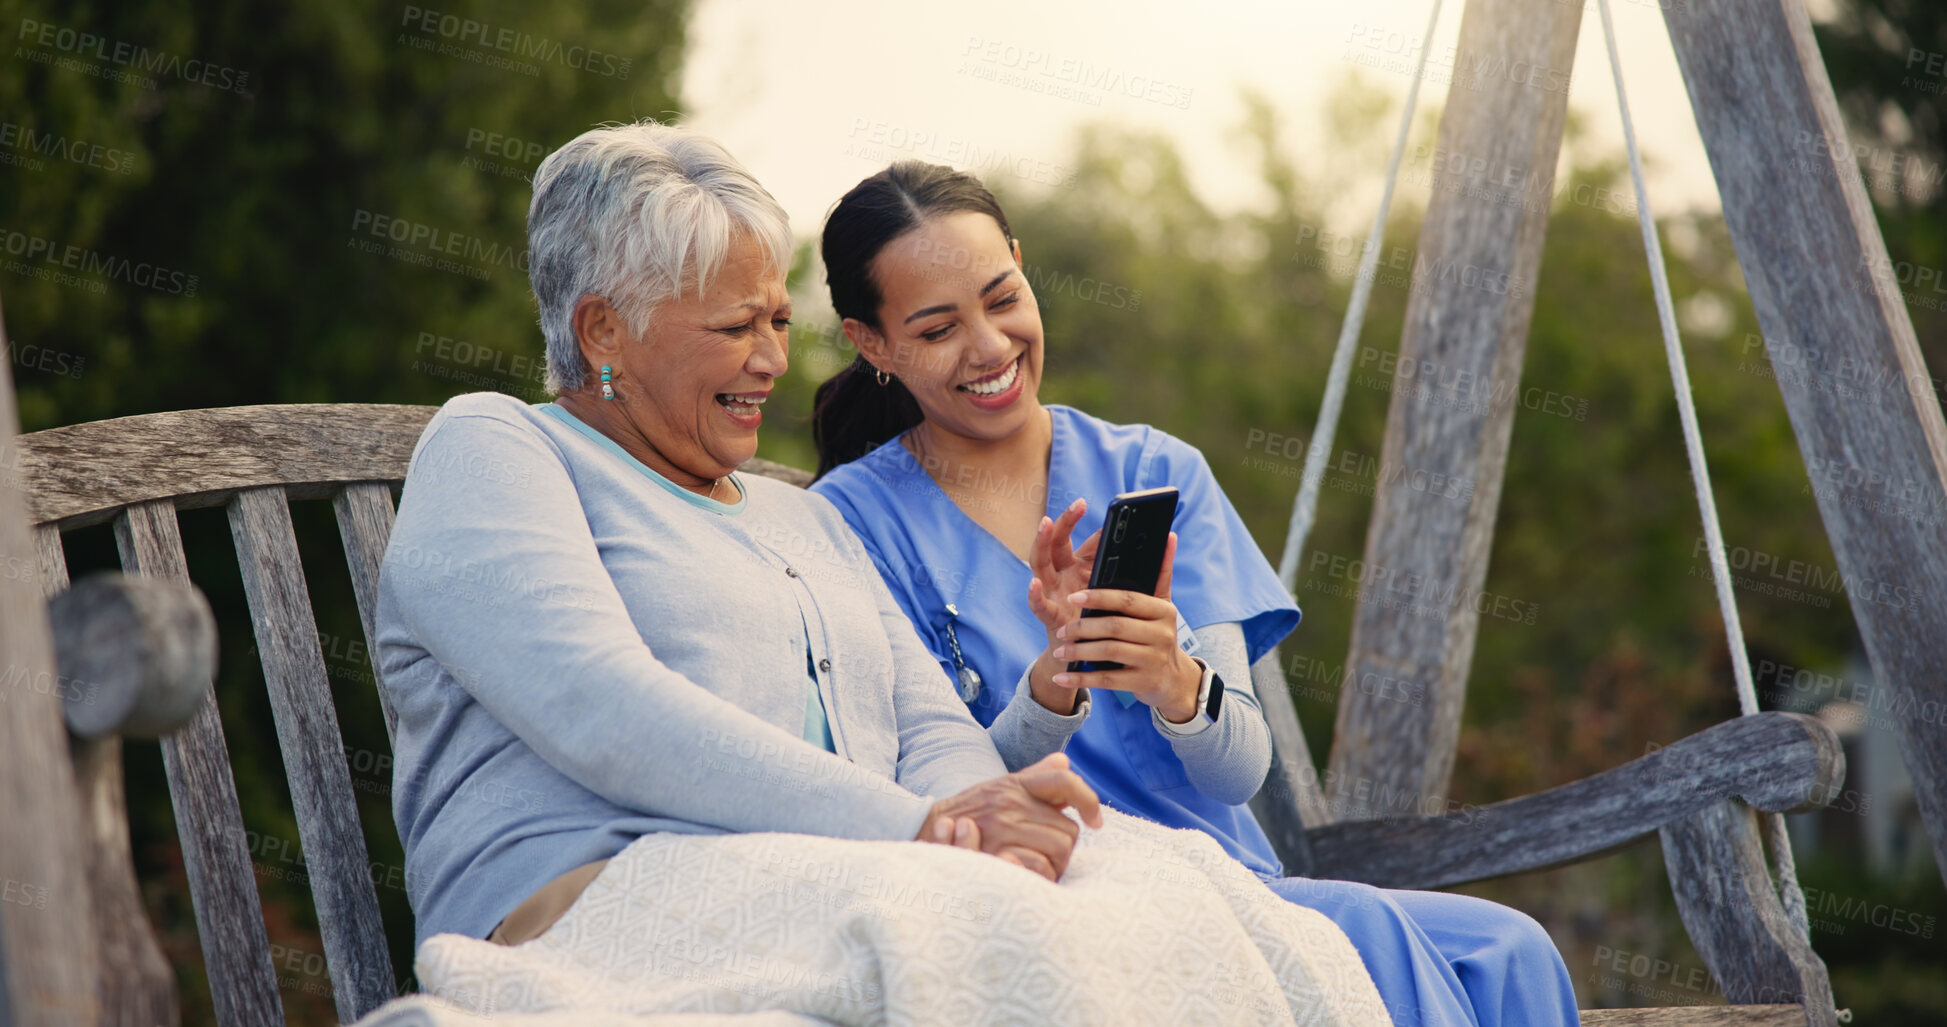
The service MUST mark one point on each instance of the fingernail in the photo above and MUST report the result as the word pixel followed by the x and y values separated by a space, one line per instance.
pixel 1061 652
pixel 1064 679
pixel 1061 632
pixel 1078 597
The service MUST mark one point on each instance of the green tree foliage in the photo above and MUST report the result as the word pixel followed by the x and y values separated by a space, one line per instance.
pixel 242 204
pixel 343 126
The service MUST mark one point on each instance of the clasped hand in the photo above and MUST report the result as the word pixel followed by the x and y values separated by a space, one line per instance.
pixel 1018 817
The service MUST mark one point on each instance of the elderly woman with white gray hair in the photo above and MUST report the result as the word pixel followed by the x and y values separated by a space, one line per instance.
pixel 599 638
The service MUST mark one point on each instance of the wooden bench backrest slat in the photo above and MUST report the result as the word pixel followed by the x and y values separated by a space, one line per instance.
pixel 200 457
pixel 54 560
pixel 137 985
pixel 365 516
pixel 222 886
pixel 314 756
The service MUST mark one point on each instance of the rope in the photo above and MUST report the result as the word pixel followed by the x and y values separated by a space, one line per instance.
pixel 1747 698
pixel 1305 508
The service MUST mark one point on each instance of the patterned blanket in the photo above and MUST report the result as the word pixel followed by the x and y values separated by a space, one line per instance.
pixel 1149 926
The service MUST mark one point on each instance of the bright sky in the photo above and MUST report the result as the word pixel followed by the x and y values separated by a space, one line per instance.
pixel 813 97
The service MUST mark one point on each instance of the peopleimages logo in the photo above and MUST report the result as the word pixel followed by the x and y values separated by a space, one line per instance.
pixel 422 243
pixel 129 55
pixel 1065 76
pixel 87 261
pixel 26 139
pixel 468 32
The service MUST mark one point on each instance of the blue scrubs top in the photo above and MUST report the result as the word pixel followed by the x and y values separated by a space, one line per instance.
pixel 932 554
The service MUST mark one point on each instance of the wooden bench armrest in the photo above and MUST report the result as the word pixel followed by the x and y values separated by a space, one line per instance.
pixel 1778 762
pixel 136 655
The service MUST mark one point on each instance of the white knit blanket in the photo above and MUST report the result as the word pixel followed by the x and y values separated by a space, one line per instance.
pixel 1149 926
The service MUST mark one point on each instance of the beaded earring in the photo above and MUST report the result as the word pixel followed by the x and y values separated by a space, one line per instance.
pixel 608 391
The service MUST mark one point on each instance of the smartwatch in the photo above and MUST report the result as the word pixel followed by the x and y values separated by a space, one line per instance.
pixel 1210 700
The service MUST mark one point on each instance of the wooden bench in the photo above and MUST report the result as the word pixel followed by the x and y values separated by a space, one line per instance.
pixel 136 472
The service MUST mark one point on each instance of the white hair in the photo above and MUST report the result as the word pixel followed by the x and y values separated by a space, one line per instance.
pixel 632 213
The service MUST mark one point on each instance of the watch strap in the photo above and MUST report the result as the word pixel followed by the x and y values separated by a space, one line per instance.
pixel 1209 696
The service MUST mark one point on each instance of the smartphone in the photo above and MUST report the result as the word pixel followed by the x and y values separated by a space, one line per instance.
pixel 1130 555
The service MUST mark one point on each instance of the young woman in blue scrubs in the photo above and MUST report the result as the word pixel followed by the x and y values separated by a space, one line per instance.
pixel 967 490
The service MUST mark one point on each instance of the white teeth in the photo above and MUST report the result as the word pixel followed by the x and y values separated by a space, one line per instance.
pixel 742 406
pixel 998 385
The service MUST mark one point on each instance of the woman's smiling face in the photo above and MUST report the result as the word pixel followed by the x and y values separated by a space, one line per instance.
pixel 959 325
pixel 691 387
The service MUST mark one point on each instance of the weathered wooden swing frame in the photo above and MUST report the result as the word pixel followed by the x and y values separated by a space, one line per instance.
pixel 1819 277
pixel 82 952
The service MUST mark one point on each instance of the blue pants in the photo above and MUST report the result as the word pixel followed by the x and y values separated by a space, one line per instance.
pixel 1445 960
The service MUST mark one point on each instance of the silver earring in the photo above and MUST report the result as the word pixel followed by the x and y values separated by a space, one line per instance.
pixel 884 378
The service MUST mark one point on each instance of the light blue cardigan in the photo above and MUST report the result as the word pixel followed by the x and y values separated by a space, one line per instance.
pixel 580 652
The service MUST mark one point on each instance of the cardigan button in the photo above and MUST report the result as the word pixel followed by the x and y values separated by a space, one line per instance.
pixel 790 572
pixel 825 665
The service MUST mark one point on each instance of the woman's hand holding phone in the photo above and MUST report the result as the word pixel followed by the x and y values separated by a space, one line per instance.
pixel 1139 632
pixel 1059 571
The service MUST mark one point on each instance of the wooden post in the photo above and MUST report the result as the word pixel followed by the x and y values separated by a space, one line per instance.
pixel 1453 404
pixel 1861 401
pixel 47 919
pixel 1731 910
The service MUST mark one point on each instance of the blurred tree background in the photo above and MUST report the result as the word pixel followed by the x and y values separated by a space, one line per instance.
pixel 272 147
pixel 256 183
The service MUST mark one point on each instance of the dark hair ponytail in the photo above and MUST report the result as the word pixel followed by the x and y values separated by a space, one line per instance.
pixel 853 413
